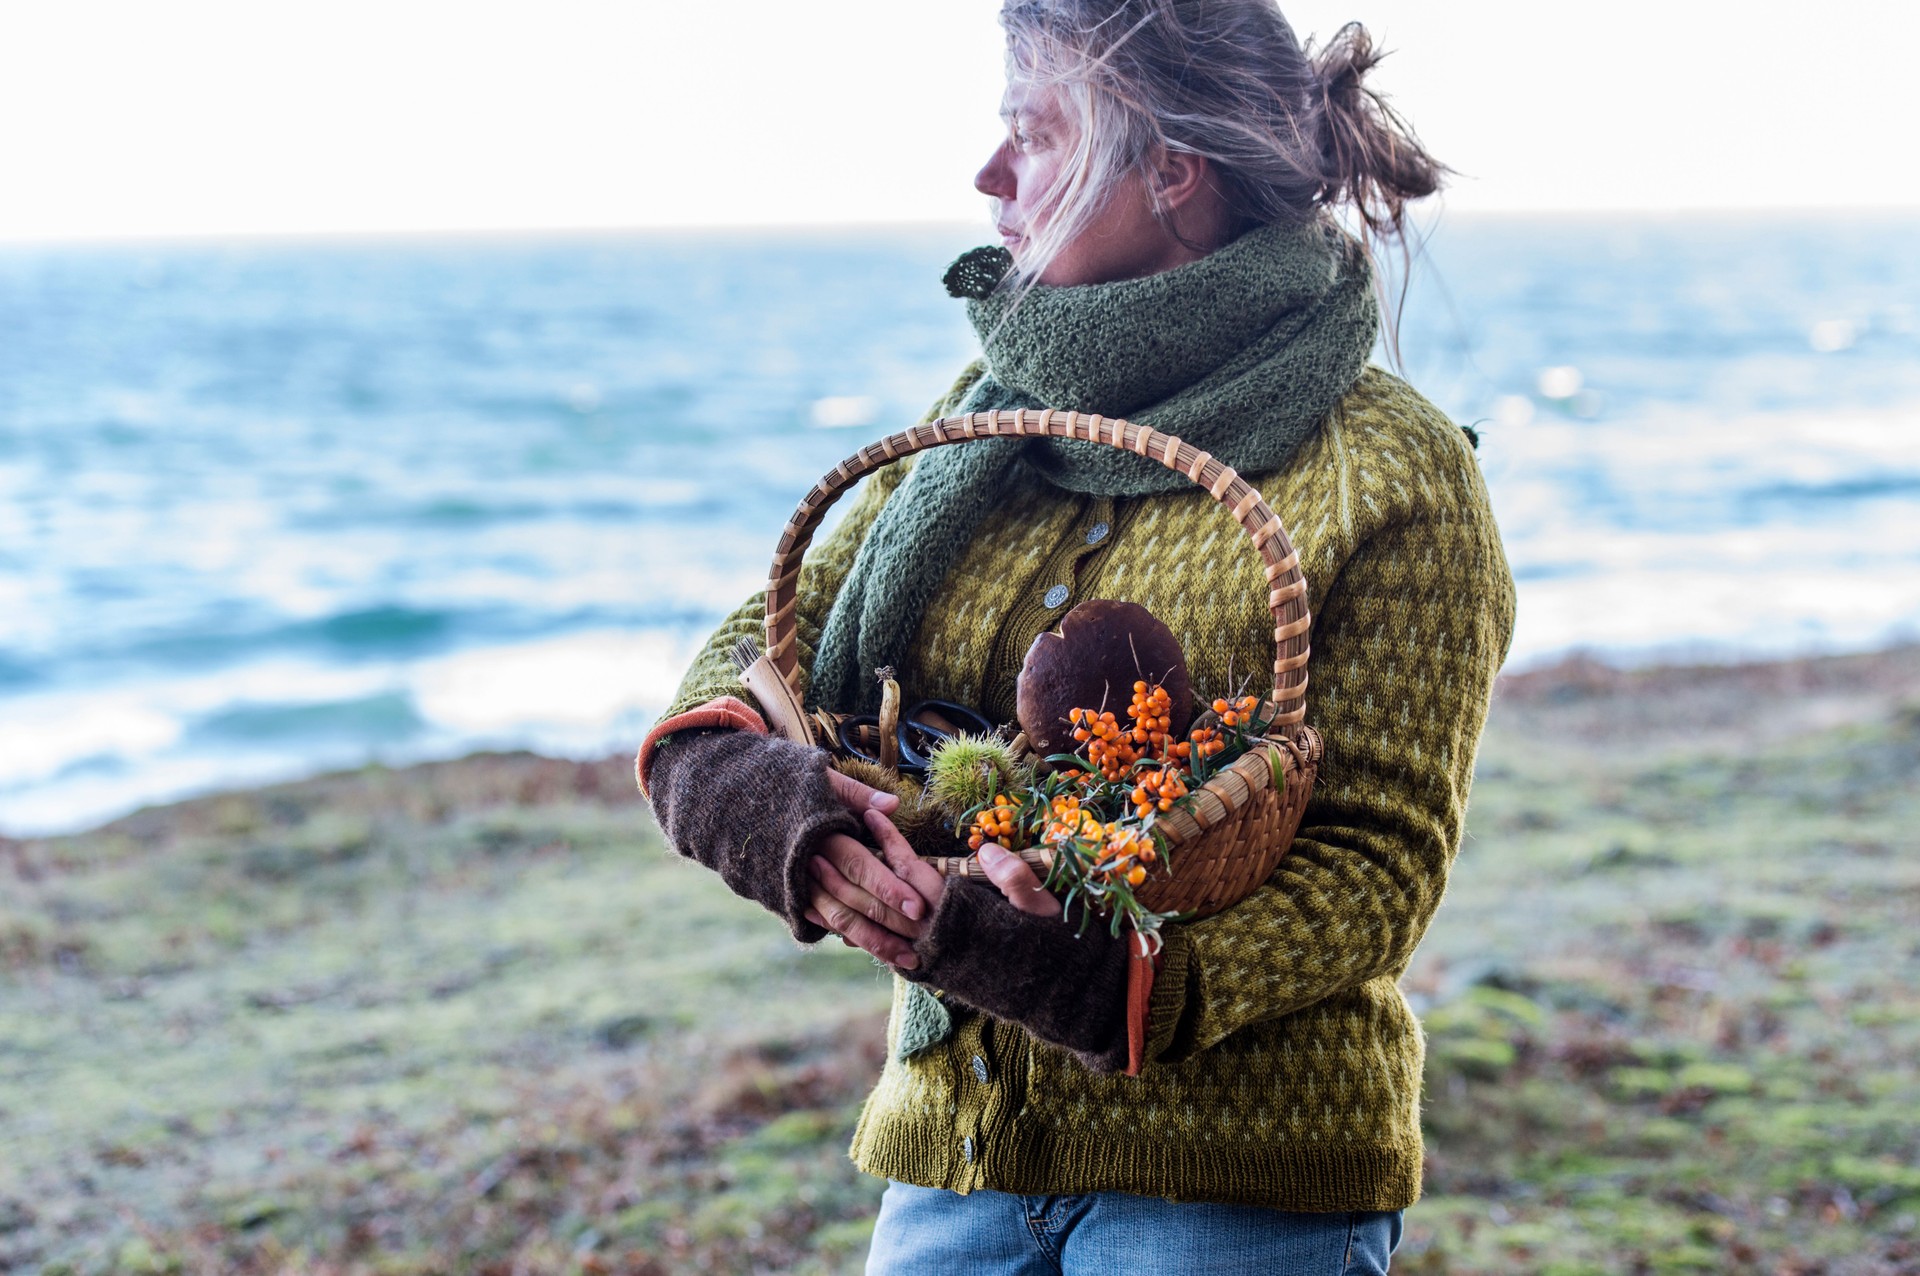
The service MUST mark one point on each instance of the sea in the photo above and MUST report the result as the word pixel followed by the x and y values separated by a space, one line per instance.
pixel 273 508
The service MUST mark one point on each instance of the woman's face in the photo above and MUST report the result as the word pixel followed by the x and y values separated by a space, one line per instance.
pixel 1125 241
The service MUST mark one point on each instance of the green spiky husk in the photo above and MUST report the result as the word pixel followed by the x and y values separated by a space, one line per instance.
pixel 966 771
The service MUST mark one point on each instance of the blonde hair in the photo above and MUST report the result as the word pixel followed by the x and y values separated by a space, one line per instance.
pixel 1289 132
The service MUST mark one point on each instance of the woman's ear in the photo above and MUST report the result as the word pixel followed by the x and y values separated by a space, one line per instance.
pixel 1178 178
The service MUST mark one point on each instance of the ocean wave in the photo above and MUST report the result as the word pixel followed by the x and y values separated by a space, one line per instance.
pixel 386 718
pixel 82 755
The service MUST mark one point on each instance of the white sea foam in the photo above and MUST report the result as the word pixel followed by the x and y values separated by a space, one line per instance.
pixel 1761 534
pixel 576 687
pixel 47 734
pixel 1749 613
pixel 74 757
pixel 844 411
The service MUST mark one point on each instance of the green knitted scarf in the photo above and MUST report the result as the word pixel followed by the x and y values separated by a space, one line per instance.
pixel 1240 353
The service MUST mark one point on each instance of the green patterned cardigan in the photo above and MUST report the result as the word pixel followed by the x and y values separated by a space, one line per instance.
pixel 1283 1064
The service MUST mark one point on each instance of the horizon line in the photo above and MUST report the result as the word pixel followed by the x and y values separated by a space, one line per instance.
pixel 1427 219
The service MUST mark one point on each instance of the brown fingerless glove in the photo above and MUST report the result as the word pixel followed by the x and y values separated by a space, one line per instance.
pixel 1066 987
pixel 753 808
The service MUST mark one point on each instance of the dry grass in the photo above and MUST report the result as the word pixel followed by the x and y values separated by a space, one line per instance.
pixel 469 1017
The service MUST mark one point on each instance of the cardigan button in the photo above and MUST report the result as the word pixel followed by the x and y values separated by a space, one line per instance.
pixel 1056 595
pixel 980 1073
pixel 1097 533
pixel 966 1147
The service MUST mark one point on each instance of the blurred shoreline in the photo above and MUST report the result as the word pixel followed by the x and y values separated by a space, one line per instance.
pixel 1602 699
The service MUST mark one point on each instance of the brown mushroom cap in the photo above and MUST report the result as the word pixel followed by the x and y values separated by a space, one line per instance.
pixel 1101 649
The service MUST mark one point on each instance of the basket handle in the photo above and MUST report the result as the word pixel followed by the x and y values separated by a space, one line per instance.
pixel 1286 586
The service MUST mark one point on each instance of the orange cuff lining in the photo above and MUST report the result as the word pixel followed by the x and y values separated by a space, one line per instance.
pixel 1141 968
pixel 725 713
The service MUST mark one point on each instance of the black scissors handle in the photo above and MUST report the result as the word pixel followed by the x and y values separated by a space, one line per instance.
pixel 849 734
pixel 921 730
pixel 927 724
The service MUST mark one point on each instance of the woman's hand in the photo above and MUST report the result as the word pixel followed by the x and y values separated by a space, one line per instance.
pixel 1020 884
pixel 858 897
pixel 858 797
pixel 883 907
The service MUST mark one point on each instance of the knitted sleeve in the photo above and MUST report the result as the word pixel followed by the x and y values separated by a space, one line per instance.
pixel 1405 649
pixel 760 840
pixel 828 561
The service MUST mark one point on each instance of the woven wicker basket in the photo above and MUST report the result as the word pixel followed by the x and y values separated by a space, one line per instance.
pixel 1228 839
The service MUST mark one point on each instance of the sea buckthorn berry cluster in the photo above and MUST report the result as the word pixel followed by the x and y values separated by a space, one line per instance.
pixel 1097 812
pixel 1151 711
pixel 1237 712
pixel 1125 854
pixel 997 823
pixel 1110 746
pixel 1159 790
pixel 1144 756
pixel 1067 820
pixel 1202 742
pixel 1116 850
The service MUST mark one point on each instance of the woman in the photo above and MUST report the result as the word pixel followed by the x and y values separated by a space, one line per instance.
pixel 1166 196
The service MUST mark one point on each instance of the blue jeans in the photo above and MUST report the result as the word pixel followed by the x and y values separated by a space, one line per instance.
pixel 924 1230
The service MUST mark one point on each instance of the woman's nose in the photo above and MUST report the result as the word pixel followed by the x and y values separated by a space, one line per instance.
pixel 996 179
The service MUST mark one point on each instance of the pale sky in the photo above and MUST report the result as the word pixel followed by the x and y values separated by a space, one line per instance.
pixel 284 116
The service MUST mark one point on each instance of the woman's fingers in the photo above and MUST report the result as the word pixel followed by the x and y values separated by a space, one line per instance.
pixel 813 915
pixel 923 877
pixel 1017 882
pixel 862 868
pixel 863 901
pixel 826 871
pixel 856 796
pixel 858 932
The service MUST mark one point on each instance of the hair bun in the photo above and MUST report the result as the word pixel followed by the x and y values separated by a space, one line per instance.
pixel 1373 160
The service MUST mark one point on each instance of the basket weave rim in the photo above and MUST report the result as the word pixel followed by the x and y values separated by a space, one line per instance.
pixel 1233 787
pixel 1286 584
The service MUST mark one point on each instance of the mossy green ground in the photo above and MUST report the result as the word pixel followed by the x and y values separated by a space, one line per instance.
pixel 471 1016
